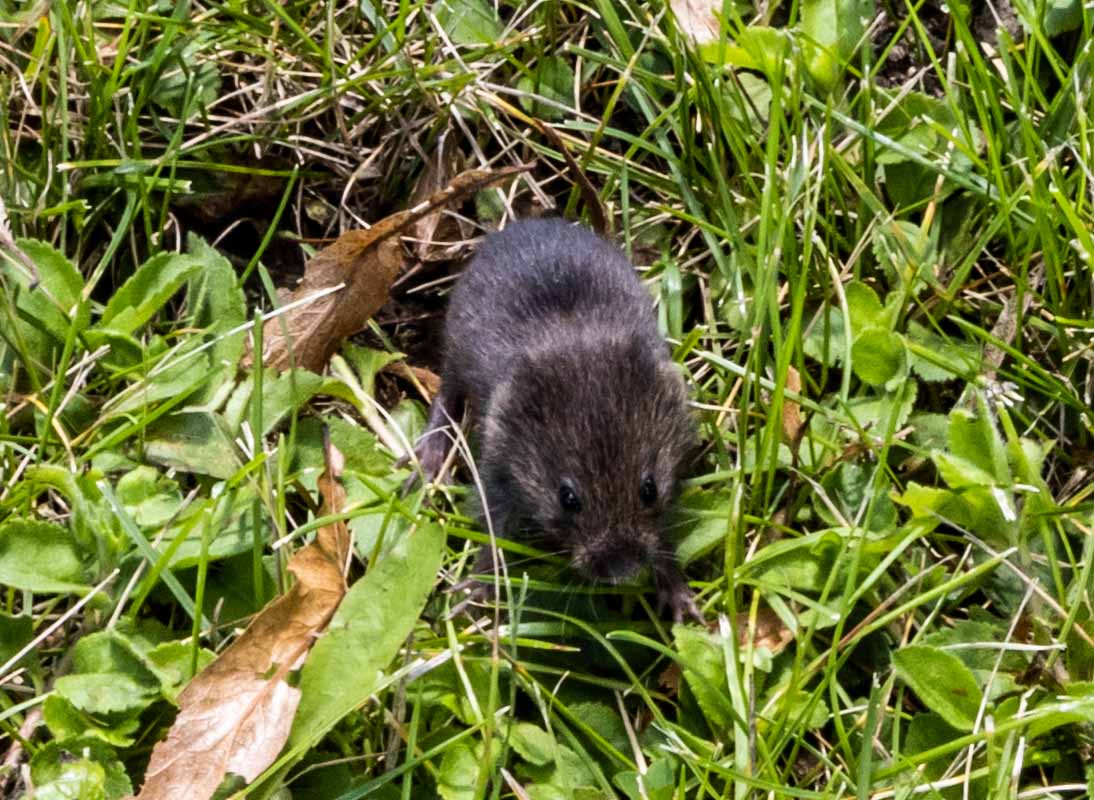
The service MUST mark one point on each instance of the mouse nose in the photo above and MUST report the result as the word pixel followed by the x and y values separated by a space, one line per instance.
pixel 615 558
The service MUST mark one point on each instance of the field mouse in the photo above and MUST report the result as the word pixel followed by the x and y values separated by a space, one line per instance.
pixel 581 418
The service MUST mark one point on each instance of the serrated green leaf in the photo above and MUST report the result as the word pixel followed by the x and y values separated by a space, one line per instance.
pixel 960 473
pixel 147 291
pixel 43 314
pixel 942 683
pixel 40 557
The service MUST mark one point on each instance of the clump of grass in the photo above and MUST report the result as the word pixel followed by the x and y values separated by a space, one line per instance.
pixel 878 282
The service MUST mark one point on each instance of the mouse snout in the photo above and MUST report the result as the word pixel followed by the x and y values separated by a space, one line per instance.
pixel 612 558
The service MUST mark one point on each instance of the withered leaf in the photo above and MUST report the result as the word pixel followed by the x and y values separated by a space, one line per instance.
pixel 367 262
pixel 792 413
pixel 770 631
pixel 235 716
pixel 439 169
pixel 697 18
pixel 426 381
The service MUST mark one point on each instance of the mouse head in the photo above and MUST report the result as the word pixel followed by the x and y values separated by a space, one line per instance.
pixel 583 446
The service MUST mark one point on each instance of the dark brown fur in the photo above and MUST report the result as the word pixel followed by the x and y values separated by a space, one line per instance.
pixel 551 339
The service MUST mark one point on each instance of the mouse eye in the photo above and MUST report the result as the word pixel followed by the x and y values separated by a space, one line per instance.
pixel 647 491
pixel 568 499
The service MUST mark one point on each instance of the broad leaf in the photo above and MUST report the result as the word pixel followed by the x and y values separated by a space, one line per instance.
pixel 147 291
pixel 373 621
pixel 40 557
pixel 942 682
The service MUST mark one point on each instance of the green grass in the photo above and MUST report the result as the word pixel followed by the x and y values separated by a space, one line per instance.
pixel 870 244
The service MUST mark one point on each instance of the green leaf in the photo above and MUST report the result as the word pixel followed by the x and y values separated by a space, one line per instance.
pixel 104 693
pixel 459 771
pixel 15 632
pixel 553 79
pixel 826 340
pixel 852 487
pixel 975 439
pixel 833 29
pixel 709 520
pixel 906 253
pixel 147 291
pixel 757 47
pixel 605 721
pixel 344 667
pixel 282 394
pixel 1074 705
pixel 534 744
pixel 43 314
pixel 925 732
pixel 960 473
pixel 82 769
pixel 216 305
pixel 1062 16
pixel 864 308
pixel 150 498
pixel 192 441
pixel 935 358
pixel 358 444
pixel 172 384
pixel 942 682
pixel 878 357
pixel 468 22
pixel 40 557
pixel 658 783
pixel 66 722
pixel 702 658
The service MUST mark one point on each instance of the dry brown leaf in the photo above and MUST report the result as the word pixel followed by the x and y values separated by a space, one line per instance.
pixel 236 714
pixel 770 631
pixel 697 18
pixel 426 381
pixel 670 679
pixel 439 169
pixel 792 413
pixel 367 262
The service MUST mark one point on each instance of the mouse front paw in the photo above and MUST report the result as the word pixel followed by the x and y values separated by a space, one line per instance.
pixel 673 592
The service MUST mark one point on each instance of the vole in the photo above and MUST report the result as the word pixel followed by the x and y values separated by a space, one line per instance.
pixel 581 417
